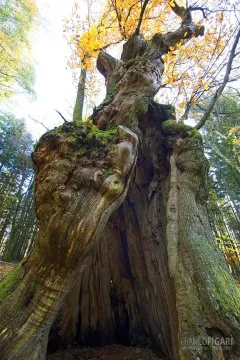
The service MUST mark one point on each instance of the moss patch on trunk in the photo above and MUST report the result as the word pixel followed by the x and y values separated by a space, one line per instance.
pixel 10 282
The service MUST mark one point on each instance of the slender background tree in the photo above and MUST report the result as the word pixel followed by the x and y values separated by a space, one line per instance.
pixel 18 222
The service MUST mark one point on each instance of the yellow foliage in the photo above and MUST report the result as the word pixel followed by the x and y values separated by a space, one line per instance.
pixel 234 129
pixel 235 258
pixel 182 105
pixel 206 85
pixel 190 66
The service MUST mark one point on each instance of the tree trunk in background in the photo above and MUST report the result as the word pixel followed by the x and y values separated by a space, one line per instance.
pixel 8 252
pixel 78 108
pixel 26 226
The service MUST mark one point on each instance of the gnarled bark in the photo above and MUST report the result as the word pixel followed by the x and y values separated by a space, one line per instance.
pixel 157 277
pixel 74 199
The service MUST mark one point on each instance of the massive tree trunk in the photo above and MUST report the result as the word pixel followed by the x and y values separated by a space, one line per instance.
pixel 155 276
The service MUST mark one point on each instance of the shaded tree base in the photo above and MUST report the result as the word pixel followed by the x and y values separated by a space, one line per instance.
pixel 114 352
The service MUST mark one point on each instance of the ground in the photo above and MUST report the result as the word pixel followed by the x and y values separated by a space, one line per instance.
pixel 114 352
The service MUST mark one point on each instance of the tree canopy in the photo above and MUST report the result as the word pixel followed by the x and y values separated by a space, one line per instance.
pixel 191 71
pixel 16 69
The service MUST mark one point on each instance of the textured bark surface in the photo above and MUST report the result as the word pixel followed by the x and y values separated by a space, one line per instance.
pixel 74 198
pixel 78 108
pixel 207 297
pixel 125 293
pixel 157 277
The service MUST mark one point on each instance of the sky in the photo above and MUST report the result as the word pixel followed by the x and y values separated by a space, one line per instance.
pixel 54 85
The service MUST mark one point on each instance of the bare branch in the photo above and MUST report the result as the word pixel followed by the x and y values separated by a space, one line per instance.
pixel 129 12
pixel 183 13
pixel 199 8
pixel 39 122
pixel 137 31
pixel 119 18
pixel 108 45
pixel 219 112
pixel 221 88
pixel 186 31
pixel 61 115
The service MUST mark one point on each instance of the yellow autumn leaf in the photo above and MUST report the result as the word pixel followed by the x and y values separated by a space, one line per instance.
pixel 235 259
pixel 171 3
pixel 182 105
pixel 206 85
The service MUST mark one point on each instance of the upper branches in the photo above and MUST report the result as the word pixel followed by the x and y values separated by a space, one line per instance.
pixel 106 64
pixel 148 28
pixel 137 31
pixel 186 31
pixel 224 83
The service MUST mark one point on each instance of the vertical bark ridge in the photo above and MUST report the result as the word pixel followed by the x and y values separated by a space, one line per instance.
pixel 173 215
pixel 202 281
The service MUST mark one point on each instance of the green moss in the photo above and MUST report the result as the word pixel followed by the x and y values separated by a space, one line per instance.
pixel 107 172
pixel 56 197
pixel 172 127
pixel 72 139
pixel 195 133
pixel 106 137
pixel 140 107
pixel 52 134
pixel 81 138
pixel 10 282
pixel 141 104
pixel 130 63
pixel 81 152
pixel 215 282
